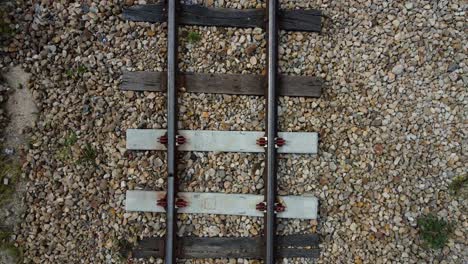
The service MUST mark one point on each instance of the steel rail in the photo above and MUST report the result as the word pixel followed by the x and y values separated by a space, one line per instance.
pixel 272 133
pixel 171 220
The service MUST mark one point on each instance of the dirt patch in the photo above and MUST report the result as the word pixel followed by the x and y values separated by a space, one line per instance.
pixel 20 107
pixel 22 112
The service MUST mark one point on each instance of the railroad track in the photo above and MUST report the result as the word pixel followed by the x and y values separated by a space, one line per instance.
pixel 270 206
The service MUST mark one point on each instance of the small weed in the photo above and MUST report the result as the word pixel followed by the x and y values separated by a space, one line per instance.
pixel 193 37
pixel 10 172
pixel 89 154
pixel 434 231
pixel 65 152
pixel 459 186
pixel 14 252
pixel 69 73
pixel 4 236
pixel 125 247
pixel 81 69
pixel 7 248
pixel 71 139
pixel 76 72
pixel 5 29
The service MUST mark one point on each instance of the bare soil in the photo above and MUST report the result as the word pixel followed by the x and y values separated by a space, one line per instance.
pixel 22 113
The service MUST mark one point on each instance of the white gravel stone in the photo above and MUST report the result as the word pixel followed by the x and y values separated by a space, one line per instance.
pixel 398 69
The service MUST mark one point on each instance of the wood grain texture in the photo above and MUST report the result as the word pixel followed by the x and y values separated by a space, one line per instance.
pixel 230 247
pixel 239 84
pixel 197 15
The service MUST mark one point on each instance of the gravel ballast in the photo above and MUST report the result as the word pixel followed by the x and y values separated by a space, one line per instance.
pixel 392 124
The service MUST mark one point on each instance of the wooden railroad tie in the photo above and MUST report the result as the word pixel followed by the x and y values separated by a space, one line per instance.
pixel 268 246
pixel 292 246
pixel 197 15
pixel 217 83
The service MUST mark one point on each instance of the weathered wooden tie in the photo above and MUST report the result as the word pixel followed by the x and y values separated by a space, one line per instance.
pixel 237 84
pixel 197 15
pixel 230 247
